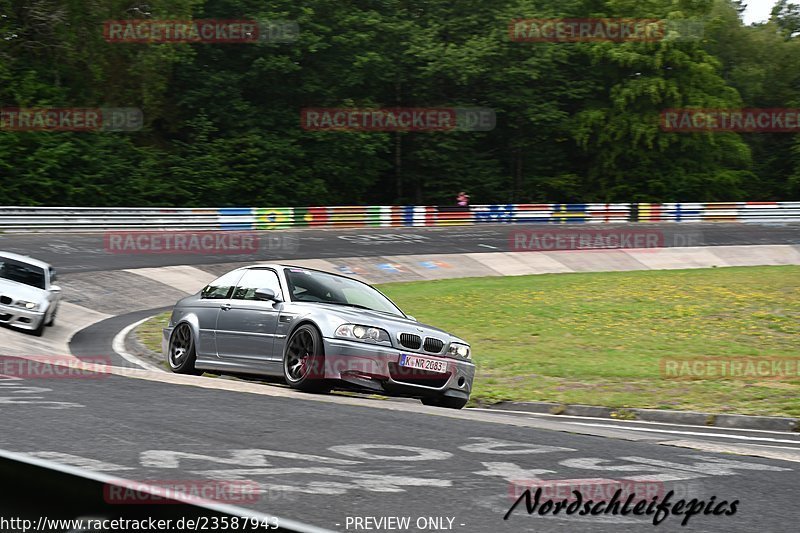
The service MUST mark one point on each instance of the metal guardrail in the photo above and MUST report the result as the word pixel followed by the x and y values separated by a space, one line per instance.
pixel 76 219
pixel 44 492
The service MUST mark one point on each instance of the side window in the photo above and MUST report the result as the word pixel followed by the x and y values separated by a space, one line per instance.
pixel 220 288
pixel 256 279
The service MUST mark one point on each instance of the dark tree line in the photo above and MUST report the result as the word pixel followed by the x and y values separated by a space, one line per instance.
pixel 575 122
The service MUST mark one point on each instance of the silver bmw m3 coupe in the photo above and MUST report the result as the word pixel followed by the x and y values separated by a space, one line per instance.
pixel 319 331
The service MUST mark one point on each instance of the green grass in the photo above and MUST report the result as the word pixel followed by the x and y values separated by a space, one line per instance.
pixel 149 332
pixel 599 338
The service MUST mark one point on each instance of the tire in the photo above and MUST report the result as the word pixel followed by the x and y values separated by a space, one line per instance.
pixel 445 401
pixel 52 320
pixel 39 329
pixel 304 360
pixel 181 353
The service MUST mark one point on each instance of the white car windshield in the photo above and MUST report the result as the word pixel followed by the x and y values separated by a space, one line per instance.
pixel 22 273
pixel 313 286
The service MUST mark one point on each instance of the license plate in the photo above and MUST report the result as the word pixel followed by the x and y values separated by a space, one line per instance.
pixel 423 363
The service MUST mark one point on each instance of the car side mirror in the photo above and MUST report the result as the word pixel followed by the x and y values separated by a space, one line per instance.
pixel 55 288
pixel 267 295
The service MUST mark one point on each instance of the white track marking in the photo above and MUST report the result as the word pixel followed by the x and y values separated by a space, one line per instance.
pixel 81 462
pixel 354 480
pixel 693 433
pixel 419 454
pixel 757 450
pixel 512 472
pixel 625 422
pixel 118 345
pixel 500 447
pixel 251 458
pixel 35 400
pixel 703 466
pixel 707 465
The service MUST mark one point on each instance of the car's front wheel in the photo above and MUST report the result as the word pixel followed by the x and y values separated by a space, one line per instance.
pixel 39 330
pixel 304 360
pixel 445 401
pixel 181 354
pixel 52 320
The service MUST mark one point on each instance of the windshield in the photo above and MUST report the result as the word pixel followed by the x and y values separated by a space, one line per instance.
pixel 312 286
pixel 22 273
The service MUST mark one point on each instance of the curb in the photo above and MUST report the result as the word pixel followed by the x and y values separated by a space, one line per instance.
pixel 137 352
pixel 690 418
pixel 134 346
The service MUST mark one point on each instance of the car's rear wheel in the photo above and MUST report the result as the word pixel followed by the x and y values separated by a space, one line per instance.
pixel 181 354
pixel 304 360
pixel 445 401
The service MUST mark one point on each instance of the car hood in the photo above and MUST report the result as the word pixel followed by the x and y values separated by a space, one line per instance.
pixel 373 318
pixel 20 291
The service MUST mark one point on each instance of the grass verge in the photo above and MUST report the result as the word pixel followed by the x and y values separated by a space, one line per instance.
pixel 599 338
pixel 149 332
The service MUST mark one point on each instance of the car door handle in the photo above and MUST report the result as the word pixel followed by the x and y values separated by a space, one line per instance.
pixel 225 307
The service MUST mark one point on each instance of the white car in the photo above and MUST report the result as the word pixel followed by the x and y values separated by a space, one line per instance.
pixel 28 298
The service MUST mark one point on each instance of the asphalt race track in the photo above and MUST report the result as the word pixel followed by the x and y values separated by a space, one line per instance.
pixel 320 462
pixel 328 460
pixel 89 252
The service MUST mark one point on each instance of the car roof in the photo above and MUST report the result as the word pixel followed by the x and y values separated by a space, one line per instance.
pixel 278 266
pixel 25 259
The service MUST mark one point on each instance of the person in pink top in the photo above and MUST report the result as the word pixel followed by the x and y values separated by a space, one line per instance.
pixel 462 199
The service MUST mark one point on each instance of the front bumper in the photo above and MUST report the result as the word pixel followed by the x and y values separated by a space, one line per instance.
pixel 376 367
pixel 20 318
pixel 166 333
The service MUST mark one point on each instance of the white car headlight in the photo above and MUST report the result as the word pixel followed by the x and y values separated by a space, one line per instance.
pixel 364 333
pixel 457 349
pixel 30 306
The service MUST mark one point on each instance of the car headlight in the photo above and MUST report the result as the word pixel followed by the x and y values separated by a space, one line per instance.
pixel 459 350
pixel 30 306
pixel 362 333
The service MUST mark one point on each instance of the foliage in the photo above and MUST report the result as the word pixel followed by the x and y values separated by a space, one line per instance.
pixel 575 121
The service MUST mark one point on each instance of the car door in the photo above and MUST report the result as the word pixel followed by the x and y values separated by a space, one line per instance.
pixel 213 298
pixel 247 328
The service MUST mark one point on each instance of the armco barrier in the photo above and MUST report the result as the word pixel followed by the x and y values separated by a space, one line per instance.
pixel 63 219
